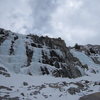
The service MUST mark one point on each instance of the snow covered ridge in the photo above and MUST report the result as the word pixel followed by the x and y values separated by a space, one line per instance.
pixel 93 51
pixel 34 55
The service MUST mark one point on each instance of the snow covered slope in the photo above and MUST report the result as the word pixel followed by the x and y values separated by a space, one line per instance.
pixel 88 55
pixel 26 87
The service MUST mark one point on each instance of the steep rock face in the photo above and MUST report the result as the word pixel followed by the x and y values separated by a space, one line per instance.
pixel 3 35
pixel 33 55
pixel 4 71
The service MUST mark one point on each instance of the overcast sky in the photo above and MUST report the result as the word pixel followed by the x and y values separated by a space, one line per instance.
pixel 75 21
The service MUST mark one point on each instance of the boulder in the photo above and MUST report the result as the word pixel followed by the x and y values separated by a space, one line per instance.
pixel 94 96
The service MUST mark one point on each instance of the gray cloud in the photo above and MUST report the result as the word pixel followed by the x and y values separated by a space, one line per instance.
pixel 42 11
pixel 73 20
pixel 16 15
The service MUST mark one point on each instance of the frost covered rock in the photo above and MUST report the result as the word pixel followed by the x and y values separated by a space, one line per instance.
pixel 93 51
pixel 32 54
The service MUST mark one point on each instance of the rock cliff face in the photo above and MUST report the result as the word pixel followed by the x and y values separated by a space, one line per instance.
pixel 31 54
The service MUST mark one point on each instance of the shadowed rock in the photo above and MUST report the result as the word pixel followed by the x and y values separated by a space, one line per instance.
pixel 94 96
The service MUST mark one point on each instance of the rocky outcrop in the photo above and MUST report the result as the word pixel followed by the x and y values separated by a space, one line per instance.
pixel 4 72
pixel 94 96
pixel 51 55
pixel 29 54
pixel 93 51
pixel 3 35
pixel 55 53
